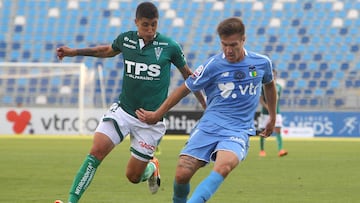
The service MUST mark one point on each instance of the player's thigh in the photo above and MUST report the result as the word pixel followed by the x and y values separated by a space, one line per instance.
pixel 135 168
pixel 225 162
pixel 115 124
pixel 102 146
pixel 186 168
pixel 144 139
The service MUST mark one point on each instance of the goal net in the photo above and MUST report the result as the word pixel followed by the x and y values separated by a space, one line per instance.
pixel 58 86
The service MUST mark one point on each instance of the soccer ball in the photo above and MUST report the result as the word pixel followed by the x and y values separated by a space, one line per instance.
pixel 58 201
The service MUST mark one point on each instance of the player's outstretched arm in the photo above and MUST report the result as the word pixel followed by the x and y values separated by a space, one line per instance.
pixel 102 51
pixel 152 117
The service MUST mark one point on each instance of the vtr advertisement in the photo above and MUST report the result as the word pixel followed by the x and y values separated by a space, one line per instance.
pixel 53 121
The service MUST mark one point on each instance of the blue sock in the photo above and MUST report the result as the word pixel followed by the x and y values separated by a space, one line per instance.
pixel 181 192
pixel 206 188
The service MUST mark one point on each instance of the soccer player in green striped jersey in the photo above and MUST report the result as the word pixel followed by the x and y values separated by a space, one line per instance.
pixel 264 116
pixel 147 57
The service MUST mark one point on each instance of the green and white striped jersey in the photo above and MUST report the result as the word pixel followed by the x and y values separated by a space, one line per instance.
pixel 147 69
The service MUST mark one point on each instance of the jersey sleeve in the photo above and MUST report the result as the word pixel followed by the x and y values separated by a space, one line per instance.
pixel 201 77
pixel 178 57
pixel 268 75
pixel 116 45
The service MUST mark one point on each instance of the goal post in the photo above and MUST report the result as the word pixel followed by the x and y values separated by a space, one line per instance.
pixel 51 85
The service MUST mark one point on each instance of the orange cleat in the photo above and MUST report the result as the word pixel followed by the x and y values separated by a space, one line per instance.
pixel 282 153
pixel 154 180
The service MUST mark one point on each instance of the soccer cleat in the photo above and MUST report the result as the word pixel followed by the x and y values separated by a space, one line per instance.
pixel 154 180
pixel 58 201
pixel 282 153
pixel 262 153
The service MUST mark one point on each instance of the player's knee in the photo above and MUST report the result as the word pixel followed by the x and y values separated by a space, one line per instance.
pixel 182 176
pixel 180 179
pixel 226 171
pixel 133 178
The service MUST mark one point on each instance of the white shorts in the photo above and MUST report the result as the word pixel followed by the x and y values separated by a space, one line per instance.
pixel 144 138
pixel 263 119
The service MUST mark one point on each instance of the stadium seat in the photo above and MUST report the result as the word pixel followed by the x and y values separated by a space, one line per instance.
pixel 323 84
pixel 314 102
pixel 286 92
pixel 290 84
pixel 308 92
pixel 323 66
pixel 319 92
pixel 329 75
pixel 312 84
pixel 317 57
pixel 349 84
pixel 3 45
pixel 302 66
pixel 297 91
pixel 317 75
pixel 306 75
pixel 357 84
pixel 339 75
pixel 330 92
pixel 303 102
pixel 334 84
pixel 354 48
pixel 291 66
pixel 339 102
pixel 284 74
pixel 282 102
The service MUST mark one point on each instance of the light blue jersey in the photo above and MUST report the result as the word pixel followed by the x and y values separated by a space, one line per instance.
pixel 232 91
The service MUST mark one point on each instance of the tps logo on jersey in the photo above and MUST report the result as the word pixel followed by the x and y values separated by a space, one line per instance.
pixel 158 51
pixel 252 71
pixel 142 71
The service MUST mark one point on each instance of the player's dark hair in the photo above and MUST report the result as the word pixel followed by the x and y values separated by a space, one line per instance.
pixel 231 26
pixel 147 10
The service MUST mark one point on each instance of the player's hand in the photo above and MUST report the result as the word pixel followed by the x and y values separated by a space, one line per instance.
pixel 269 128
pixel 61 52
pixel 149 117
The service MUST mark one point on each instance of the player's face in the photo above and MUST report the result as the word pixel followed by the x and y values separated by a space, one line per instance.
pixel 146 28
pixel 233 47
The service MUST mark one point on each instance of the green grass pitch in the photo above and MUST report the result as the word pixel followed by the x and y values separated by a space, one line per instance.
pixel 40 169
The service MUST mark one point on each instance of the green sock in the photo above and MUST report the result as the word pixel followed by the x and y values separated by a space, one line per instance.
pixel 279 141
pixel 262 143
pixel 150 168
pixel 83 178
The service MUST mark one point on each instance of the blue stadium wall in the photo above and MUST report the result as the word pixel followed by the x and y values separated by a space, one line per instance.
pixel 323 124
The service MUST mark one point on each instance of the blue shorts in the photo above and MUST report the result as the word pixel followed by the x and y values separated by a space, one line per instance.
pixel 204 145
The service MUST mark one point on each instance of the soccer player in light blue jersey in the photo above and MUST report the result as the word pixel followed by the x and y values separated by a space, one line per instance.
pixel 232 81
